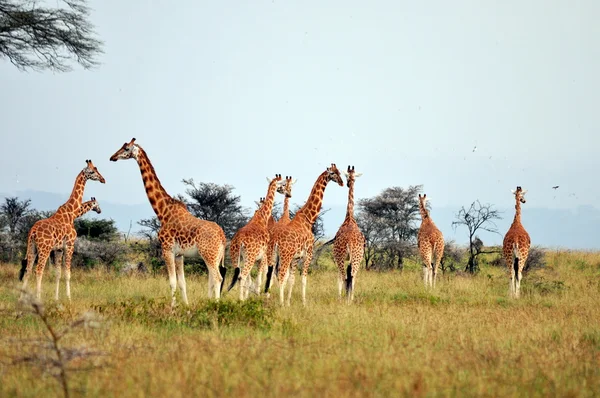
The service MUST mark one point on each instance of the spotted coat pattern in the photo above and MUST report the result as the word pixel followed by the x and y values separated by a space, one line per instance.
pixel 515 246
pixel 180 234
pixel 58 232
pixel 430 242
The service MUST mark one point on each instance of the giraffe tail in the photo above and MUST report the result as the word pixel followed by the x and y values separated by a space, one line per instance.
pixel 23 269
pixel 516 260
pixel 236 271
pixel 222 269
pixel 348 278
pixel 270 269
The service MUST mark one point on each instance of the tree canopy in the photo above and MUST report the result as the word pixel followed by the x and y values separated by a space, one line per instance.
pixel 33 36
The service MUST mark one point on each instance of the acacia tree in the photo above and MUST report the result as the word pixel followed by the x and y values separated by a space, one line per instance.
pixel 36 37
pixel 477 217
pixel 216 203
pixel 13 210
pixel 388 222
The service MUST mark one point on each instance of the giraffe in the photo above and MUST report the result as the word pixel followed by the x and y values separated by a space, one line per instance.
pixel 430 242
pixel 180 234
pixel 515 246
pixel 249 244
pixel 349 241
pixel 58 231
pixel 90 205
pixel 283 221
pixel 295 241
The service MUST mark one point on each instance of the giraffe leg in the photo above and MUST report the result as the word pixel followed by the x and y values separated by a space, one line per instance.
pixel 307 260
pixel 438 254
pixel 355 267
pixel 179 260
pixel 292 271
pixel 339 261
pixel 249 260
pixel 218 278
pixel 262 269
pixel 210 283
pixel 68 256
pixel 169 256
pixel 58 264
pixel 39 271
pixel 31 256
pixel 283 276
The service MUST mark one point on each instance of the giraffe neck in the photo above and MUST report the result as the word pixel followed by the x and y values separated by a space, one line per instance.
pixel 309 212
pixel 72 206
pixel 262 215
pixel 517 219
pixel 285 216
pixel 424 212
pixel 157 195
pixel 85 207
pixel 350 207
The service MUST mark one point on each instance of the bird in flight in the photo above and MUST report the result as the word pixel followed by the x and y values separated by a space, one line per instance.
pixel 555 187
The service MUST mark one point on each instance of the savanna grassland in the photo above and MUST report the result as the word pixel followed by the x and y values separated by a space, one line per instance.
pixel 467 338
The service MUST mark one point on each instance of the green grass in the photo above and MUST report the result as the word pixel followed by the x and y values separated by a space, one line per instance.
pixel 467 338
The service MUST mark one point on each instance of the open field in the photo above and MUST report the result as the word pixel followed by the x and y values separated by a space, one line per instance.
pixel 465 339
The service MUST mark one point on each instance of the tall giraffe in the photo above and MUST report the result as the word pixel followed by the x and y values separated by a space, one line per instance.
pixel 431 244
pixel 515 246
pixel 57 259
pixel 349 242
pixel 249 244
pixel 58 231
pixel 180 234
pixel 296 239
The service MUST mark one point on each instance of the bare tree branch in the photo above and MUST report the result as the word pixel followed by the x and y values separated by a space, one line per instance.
pixel 37 37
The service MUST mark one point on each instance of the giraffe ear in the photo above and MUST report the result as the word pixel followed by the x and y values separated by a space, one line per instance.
pixel 346 174
pixel 523 192
pixel 512 191
pixel 269 180
pixel 356 175
pixel 294 181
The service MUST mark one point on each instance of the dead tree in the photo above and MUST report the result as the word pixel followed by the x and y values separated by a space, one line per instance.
pixel 477 217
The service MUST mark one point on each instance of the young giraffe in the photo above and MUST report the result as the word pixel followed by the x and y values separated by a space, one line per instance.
pixel 57 259
pixel 249 244
pixel 349 241
pixel 516 246
pixel 430 242
pixel 58 231
pixel 180 234
pixel 296 239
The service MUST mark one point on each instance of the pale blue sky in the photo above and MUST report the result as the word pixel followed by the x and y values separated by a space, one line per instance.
pixel 231 92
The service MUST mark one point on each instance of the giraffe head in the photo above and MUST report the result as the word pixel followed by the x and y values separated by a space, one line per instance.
pixel 351 175
pixel 278 181
pixel 129 150
pixel 519 194
pixel 92 173
pixel 259 203
pixel 95 206
pixel 286 188
pixel 333 174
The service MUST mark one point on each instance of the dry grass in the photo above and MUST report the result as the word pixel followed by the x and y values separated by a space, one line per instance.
pixel 465 339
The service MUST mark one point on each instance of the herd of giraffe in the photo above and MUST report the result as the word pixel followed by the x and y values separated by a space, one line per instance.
pixel 279 246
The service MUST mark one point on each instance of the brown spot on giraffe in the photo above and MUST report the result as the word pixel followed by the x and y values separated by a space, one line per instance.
pixel 295 241
pixel 249 244
pixel 515 246
pixel 57 232
pixel 349 242
pixel 430 242
pixel 180 234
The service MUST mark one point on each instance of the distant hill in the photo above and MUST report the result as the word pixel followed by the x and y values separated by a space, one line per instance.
pixel 556 228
